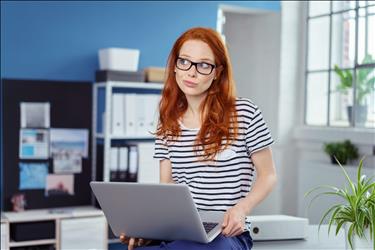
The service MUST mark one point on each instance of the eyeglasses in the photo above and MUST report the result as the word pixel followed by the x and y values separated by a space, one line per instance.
pixel 202 67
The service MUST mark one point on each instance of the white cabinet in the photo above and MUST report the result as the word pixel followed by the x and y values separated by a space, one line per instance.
pixel 4 234
pixel 83 233
pixel 105 132
pixel 75 228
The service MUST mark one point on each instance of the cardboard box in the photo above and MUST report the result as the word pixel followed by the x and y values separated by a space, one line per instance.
pixel 119 59
pixel 155 74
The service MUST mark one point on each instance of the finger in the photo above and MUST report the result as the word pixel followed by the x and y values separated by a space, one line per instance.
pixel 237 227
pixel 236 232
pixel 140 242
pixel 225 221
pixel 228 228
pixel 131 244
pixel 124 239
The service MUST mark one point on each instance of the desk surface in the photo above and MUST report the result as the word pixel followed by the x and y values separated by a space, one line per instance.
pixel 51 214
pixel 315 240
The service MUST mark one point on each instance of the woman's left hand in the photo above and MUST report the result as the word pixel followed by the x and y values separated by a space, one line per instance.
pixel 234 221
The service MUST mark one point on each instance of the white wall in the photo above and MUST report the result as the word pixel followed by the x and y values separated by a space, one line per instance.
pixel 253 40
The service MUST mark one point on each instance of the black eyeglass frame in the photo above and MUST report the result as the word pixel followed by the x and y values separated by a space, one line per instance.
pixel 213 66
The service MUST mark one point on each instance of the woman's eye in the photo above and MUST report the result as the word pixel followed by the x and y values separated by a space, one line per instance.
pixel 184 61
pixel 204 65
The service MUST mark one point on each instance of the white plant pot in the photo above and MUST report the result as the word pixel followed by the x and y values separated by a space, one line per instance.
pixel 359 243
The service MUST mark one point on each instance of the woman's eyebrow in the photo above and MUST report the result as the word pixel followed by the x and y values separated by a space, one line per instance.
pixel 201 59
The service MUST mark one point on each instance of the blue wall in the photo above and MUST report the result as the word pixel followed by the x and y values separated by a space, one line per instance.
pixel 60 40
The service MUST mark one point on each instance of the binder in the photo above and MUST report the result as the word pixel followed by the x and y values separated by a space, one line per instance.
pixel 118 126
pixel 130 114
pixel 142 102
pixel 133 163
pixel 152 113
pixel 113 164
pixel 123 164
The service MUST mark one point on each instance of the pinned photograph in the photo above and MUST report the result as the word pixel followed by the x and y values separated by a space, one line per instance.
pixel 67 163
pixel 34 144
pixel 35 114
pixel 69 142
pixel 33 175
pixel 59 185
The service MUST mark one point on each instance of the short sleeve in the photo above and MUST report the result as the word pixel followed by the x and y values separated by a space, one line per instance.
pixel 161 148
pixel 257 135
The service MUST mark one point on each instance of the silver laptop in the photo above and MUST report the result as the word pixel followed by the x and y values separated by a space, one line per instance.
pixel 155 211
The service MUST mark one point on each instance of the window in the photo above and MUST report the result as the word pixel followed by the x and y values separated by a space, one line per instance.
pixel 340 64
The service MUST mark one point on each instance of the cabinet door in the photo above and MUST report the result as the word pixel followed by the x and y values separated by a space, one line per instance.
pixel 83 233
pixel 4 236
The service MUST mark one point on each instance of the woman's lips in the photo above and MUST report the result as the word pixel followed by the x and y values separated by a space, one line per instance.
pixel 190 84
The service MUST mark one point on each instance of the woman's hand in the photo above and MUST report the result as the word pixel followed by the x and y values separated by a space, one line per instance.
pixel 234 221
pixel 133 242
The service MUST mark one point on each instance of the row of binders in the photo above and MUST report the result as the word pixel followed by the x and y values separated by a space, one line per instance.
pixel 134 163
pixel 124 163
pixel 134 114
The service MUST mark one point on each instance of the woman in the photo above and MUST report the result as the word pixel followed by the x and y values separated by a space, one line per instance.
pixel 210 140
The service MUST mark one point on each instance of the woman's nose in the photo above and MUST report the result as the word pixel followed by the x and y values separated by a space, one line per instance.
pixel 192 72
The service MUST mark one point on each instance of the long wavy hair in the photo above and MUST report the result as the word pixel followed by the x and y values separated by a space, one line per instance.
pixel 218 110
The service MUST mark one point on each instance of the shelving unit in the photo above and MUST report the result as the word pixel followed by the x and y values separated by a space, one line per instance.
pixel 105 136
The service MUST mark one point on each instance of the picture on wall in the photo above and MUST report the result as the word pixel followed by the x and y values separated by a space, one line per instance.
pixel 69 142
pixel 67 163
pixel 32 175
pixel 59 185
pixel 34 144
pixel 35 114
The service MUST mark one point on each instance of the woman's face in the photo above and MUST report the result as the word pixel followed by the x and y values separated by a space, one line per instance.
pixel 191 81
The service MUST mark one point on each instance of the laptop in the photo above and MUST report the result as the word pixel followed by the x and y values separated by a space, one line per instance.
pixel 155 211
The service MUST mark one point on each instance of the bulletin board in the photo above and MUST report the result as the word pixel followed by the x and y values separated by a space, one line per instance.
pixel 70 107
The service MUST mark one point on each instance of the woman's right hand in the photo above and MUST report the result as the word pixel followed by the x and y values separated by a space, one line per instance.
pixel 133 242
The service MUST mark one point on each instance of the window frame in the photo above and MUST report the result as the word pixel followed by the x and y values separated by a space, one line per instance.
pixel 356 66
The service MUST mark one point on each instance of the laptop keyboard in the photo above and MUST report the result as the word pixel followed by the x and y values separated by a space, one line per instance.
pixel 208 226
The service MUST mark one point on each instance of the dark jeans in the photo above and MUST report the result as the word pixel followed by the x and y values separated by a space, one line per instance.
pixel 240 242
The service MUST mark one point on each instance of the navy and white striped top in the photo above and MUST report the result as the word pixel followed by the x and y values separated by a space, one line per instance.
pixel 221 183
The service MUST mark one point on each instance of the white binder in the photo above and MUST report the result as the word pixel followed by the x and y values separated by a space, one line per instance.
pixel 123 159
pixel 133 160
pixel 142 102
pixel 114 157
pixel 130 114
pixel 118 125
pixel 152 113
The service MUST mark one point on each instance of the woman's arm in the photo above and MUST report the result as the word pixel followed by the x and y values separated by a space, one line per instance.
pixel 265 179
pixel 234 219
pixel 166 171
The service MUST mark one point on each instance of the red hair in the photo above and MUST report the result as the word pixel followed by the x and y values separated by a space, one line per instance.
pixel 218 110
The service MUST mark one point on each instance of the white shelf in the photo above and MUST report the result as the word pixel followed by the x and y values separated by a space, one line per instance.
pixel 109 88
pixel 125 137
pixel 32 243
pixel 134 85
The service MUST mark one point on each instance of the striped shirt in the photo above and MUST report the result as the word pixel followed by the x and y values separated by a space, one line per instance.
pixel 221 183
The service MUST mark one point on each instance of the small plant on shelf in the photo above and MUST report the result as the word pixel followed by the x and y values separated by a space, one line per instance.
pixel 342 151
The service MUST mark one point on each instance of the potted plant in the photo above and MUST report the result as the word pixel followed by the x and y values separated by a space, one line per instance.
pixel 342 151
pixel 356 212
pixel 365 84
